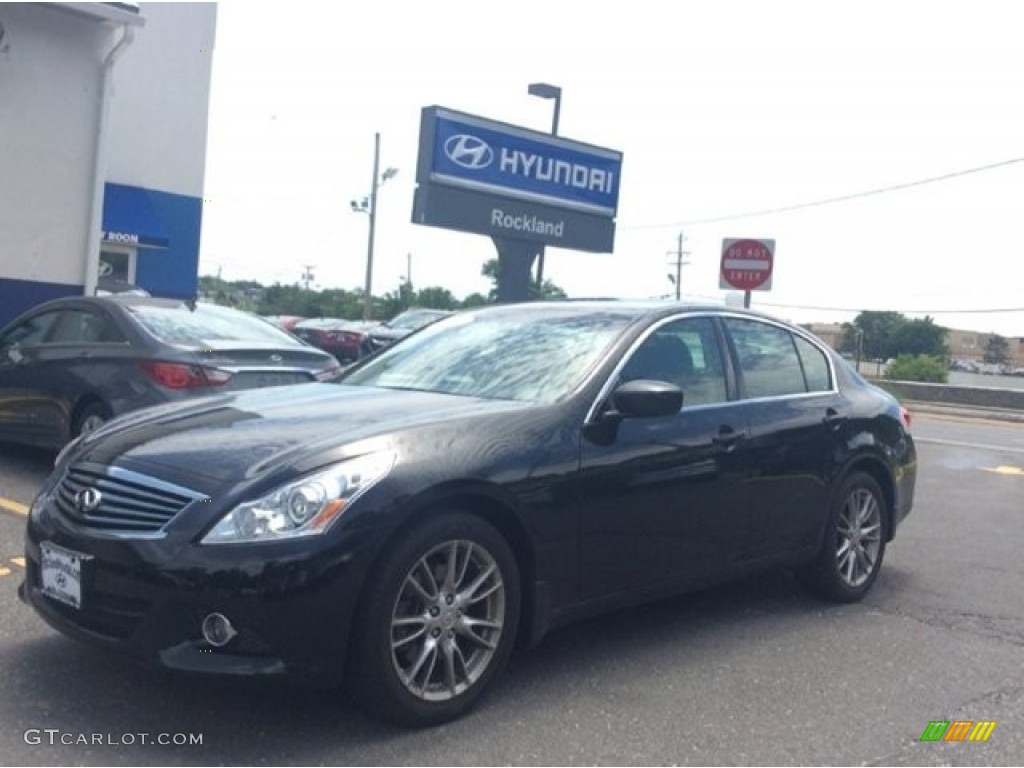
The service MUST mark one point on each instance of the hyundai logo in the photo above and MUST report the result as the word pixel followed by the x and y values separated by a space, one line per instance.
pixel 468 151
pixel 88 500
pixel 276 358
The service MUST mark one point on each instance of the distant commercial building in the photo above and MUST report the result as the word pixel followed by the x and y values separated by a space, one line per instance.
pixel 830 333
pixel 971 345
pixel 103 128
pixel 962 345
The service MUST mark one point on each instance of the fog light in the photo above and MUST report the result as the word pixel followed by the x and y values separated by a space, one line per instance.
pixel 217 630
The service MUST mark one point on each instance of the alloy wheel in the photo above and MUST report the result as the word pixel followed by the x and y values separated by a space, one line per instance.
pixel 447 620
pixel 859 537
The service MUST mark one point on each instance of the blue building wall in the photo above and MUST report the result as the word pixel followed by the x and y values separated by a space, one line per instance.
pixel 17 296
pixel 173 271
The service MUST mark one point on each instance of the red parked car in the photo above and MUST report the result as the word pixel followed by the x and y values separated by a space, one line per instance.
pixel 285 322
pixel 345 339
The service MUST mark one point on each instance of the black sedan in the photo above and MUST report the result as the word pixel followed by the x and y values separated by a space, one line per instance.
pixel 502 472
pixel 69 365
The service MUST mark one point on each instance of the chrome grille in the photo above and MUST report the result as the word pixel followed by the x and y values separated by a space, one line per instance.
pixel 129 502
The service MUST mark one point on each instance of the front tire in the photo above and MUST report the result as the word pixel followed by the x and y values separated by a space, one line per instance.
pixel 854 545
pixel 438 621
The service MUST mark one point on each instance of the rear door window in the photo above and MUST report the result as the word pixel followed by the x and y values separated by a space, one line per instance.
pixel 79 326
pixel 816 369
pixel 769 364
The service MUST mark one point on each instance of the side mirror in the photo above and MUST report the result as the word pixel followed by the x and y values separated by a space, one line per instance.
pixel 645 398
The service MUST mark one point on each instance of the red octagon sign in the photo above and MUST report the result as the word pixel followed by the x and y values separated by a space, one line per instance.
pixel 747 264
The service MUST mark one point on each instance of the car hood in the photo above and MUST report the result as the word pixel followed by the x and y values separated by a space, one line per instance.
pixel 231 438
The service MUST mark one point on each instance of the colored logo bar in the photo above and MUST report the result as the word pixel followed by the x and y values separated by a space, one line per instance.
pixel 958 730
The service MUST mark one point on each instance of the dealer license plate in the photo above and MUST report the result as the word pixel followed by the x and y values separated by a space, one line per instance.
pixel 61 571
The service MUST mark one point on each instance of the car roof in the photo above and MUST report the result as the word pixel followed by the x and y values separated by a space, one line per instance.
pixel 638 308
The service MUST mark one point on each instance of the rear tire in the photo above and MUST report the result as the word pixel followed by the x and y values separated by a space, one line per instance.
pixel 92 416
pixel 854 544
pixel 437 622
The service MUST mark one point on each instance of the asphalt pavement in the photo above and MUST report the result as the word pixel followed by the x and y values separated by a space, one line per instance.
pixel 757 672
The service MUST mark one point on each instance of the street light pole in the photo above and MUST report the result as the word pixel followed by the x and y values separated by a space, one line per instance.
pixel 546 91
pixel 368 287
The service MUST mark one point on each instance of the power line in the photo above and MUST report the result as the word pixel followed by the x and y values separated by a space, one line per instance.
pixel 828 200
pixel 773 305
pixel 911 311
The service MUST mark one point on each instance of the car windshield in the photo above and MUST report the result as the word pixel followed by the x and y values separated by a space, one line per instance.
pixel 538 357
pixel 207 326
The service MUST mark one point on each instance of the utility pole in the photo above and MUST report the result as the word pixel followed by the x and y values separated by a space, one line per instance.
pixel 408 269
pixel 679 253
pixel 368 289
pixel 308 276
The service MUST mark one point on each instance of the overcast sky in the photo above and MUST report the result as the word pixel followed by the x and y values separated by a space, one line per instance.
pixel 720 108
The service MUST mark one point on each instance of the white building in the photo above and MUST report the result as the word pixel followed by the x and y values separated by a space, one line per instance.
pixel 103 121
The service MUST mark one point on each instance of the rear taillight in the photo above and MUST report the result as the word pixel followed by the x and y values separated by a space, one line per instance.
pixel 905 418
pixel 183 376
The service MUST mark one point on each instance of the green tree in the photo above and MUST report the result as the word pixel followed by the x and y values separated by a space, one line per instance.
pixel 997 350
pixel 919 337
pixel 927 368
pixel 885 335
pixel 436 297
pixel 396 302
pixel 474 300
pixel 848 342
pixel 878 329
pixel 549 291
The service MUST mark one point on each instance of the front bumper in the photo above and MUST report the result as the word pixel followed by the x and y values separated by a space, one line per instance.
pixel 292 603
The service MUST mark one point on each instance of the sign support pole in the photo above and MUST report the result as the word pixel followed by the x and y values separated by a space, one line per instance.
pixel 515 261
pixel 746 299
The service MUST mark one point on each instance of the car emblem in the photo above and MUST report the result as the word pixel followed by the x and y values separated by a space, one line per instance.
pixel 468 151
pixel 88 500
pixel 276 358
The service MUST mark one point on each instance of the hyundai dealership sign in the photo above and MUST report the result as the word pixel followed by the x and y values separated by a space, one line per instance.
pixel 483 176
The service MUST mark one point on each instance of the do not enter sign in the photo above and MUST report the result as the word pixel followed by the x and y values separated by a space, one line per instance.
pixel 747 264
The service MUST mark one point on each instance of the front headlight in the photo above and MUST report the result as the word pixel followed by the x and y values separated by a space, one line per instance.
pixel 304 507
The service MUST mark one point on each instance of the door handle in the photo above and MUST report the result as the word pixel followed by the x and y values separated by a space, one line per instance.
pixel 834 418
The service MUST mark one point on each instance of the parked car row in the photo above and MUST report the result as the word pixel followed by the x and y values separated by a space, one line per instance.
pixel 351 340
pixel 70 365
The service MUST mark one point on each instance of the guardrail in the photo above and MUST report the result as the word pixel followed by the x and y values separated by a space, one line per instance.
pixel 950 394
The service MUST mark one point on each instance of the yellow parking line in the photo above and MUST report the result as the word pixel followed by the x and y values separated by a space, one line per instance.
pixel 1005 470
pixel 10 505
pixel 18 561
pixel 4 571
